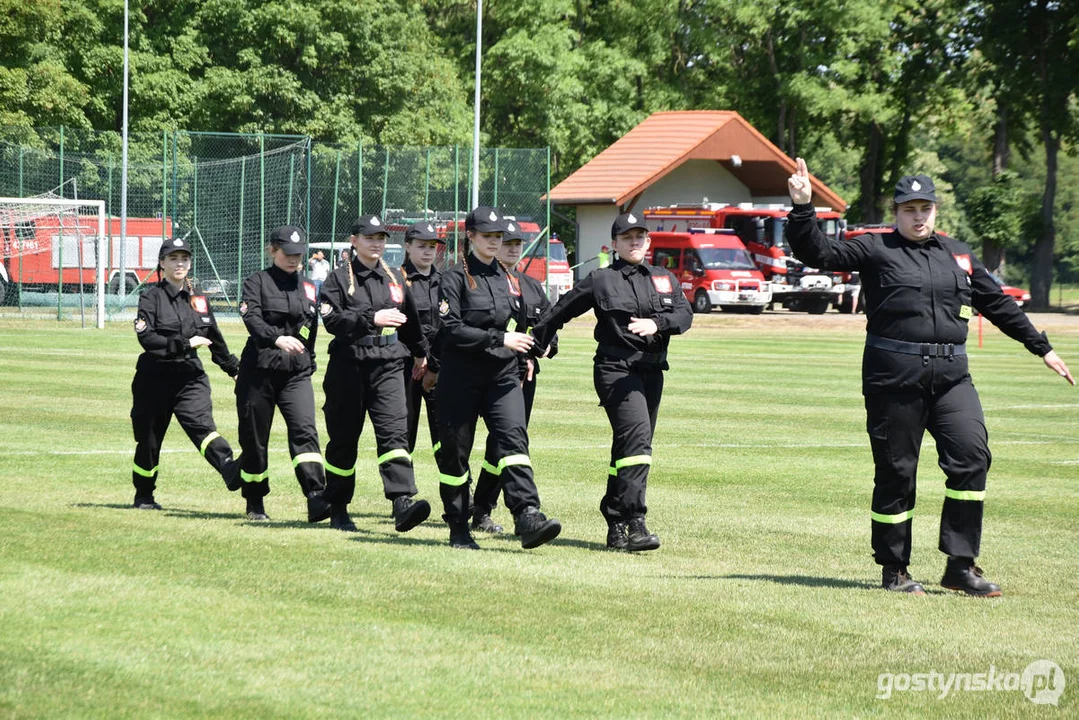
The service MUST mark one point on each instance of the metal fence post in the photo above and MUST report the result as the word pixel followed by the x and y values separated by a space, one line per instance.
pixel 262 193
pixel 240 238
pixel 385 180
pixel 62 172
pixel 333 211
pixel 427 185
pixel 359 178
pixel 456 192
pixel 495 203
pixel 291 173
pixel 164 185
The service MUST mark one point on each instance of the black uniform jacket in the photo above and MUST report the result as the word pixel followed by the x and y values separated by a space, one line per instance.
pixel 167 320
pixel 475 321
pixel 915 292
pixel 351 318
pixel 617 293
pixel 276 303
pixel 425 290
pixel 536 306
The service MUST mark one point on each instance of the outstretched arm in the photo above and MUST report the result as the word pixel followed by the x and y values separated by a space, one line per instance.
pixel 1054 363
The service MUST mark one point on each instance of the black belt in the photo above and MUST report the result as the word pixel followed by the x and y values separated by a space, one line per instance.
pixel 926 350
pixel 631 355
pixel 377 340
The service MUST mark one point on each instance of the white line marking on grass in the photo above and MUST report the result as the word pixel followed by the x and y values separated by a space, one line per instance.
pixel 1031 407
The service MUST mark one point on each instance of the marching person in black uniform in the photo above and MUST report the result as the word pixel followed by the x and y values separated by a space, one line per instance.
pixel 421 247
pixel 278 307
pixel 920 289
pixel 173 321
pixel 369 309
pixel 638 307
pixel 480 309
pixel 535 302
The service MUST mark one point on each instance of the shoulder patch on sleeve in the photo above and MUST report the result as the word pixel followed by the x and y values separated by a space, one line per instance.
pixel 140 324
pixel 325 309
pixel 243 308
pixel 444 307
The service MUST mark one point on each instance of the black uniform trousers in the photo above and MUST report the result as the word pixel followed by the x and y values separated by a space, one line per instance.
pixel 470 387
pixel 489 483
pixel 158 395
pixel 355 389
pixel 414 397
pixel 631 396
pixel 896 422
pixel 258 392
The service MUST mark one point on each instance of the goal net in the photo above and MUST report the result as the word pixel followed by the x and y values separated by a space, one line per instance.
pixel 53 252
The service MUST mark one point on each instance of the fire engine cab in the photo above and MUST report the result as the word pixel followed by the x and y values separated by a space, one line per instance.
pixel 761 229
pixel 714 269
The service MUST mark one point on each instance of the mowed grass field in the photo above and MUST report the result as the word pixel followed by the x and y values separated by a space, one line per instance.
pixel 762 602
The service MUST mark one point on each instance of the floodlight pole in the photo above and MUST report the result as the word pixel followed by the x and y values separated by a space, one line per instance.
pixel 122 278
pixel 476 102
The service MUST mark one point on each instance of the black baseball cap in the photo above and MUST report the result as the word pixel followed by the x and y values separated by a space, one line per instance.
pixel 291 239
pixel 368 225
pixel 513 231
pixel 171 246
pixel 626 222
pixel 485 220
pixel 422 230
pixel 915 187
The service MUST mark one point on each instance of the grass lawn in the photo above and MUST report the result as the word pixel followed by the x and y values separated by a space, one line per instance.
pixel 762 601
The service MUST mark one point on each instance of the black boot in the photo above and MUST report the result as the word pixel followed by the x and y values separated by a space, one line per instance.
pixel 408 513
pixel 460 537
pixel 231 475
pixel 617 539
pixel 535 528
pixel 639 538
pixel 317 508
pixel 339 518
pixel 482 522
pixel 963 575
pixel 145 502
pixel 897 579
pixel 255 510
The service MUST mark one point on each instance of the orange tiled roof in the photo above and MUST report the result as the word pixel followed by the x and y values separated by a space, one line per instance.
pixel 665 140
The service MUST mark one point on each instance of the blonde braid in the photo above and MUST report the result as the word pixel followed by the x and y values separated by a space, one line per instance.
pixel 464 263
pixel 351 277
pixel 512 278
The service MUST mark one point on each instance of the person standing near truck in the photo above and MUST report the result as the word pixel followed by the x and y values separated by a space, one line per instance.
pixel 480 347
pixel 638 307
pixel 535 302
pixel 278 307
pixel 174 320
pixel 921 288
pixel 369 310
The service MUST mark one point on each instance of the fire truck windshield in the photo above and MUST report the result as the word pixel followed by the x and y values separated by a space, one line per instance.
pixel 726 259
pixel 539 250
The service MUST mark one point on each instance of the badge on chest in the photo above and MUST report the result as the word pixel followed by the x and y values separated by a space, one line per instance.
pixel 662 284
pixel 198 302
pixel 963 261
pixel 309 291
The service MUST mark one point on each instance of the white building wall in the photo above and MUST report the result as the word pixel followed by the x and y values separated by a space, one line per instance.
pixel 594 228
pixel 693 181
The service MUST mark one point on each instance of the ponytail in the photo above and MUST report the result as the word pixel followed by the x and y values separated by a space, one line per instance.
pixel 512 278
pixel 351 276
pixel 464 262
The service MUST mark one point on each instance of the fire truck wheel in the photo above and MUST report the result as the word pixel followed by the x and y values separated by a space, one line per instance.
pixel 846 305
pixel 701 303
pixel 817 306
pixel 130 285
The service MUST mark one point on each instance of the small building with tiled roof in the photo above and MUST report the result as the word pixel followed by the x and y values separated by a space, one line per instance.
pixel 686 156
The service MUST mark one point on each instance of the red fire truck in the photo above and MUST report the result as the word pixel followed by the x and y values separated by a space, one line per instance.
pixel 43 255
pixel 714 269
pixel 760 228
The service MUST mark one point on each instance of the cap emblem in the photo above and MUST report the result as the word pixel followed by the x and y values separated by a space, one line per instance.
pixel 494 216
pixel 294 237
pixel 511 227
pixel 177 242
pixel 631 218
pixel 375 221
pixel 429 228
pixel 915 186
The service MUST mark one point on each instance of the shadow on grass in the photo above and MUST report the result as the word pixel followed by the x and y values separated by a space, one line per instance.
pixel 803 580
pixel 399 539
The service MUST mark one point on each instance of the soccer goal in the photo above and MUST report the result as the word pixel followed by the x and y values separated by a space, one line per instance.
pixel 52 245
